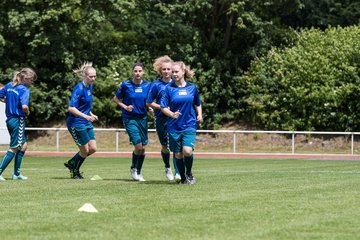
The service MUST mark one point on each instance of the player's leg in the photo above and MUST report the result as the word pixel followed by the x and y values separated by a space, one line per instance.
pixel 132 130
pixel 88 148
pixel 81 138
pixel 13 126
pixel 17 163
pixel 142 126
pixel 5 162
pixel 175 144
pixel 21 146
pixel 188 147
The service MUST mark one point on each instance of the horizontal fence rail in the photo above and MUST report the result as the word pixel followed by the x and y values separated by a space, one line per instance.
pixel 347 137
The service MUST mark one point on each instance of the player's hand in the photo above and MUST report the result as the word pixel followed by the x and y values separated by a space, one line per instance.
pixel 94 117
pixel 199 119
pixel 176 114
pixel 129 108
pixel 151 110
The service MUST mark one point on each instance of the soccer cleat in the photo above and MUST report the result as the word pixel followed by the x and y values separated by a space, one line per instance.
pixel 182 182
pixel 68 166
pixel 134 174
pixel 141 178
pixel 71 169
pixel 177 178
pixel 2 178
pixel 20 177
pixel 191 179
pixel 169 174
pixel 78 176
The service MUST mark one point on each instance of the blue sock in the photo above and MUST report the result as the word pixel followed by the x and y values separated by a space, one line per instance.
pixel 140 162
pixel 78 161
pixel 181 168
pixel 134 160
pixel 6 160
pixel 18 160
pixel 175 166
pixel 72 160
pixel 188 163
pixel 166 158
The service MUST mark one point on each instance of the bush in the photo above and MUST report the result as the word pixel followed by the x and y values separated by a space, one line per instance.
pixel 313 85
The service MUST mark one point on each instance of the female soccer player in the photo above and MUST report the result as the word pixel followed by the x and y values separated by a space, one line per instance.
pixel 131 97
pixel 179 102
pixel 163 66
pixel 16 95
pixel 80 119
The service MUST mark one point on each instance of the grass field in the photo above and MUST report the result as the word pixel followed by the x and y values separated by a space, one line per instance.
pixel 233 199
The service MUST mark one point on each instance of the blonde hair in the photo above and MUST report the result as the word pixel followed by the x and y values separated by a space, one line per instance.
pixel 25 73
pixel 159 62
pixel 84 69
pixel 188 72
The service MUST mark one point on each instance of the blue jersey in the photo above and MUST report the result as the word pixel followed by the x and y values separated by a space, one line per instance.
pixel 133 94
pixel 81 99
pixel 156 92
pixel 15 98
pixel 182 99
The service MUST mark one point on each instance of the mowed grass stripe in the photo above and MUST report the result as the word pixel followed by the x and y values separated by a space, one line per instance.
pixel 233 199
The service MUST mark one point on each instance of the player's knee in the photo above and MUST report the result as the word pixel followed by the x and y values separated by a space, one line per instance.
pixel 24 147
pixel 187 152
pixel 92 150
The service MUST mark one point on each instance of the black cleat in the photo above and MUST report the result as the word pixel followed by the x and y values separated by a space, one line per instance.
pixel 78 176
pixel 191 179
pixel 68 166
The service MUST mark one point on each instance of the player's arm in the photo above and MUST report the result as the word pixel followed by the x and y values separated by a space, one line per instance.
pixel 170 113
pixel 153 105
pixel 26 110
pixel 199 117
pixel 123 105
pixel 2 93
pixel 77 113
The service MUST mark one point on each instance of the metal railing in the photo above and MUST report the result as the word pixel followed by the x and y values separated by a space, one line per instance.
pixel 350 136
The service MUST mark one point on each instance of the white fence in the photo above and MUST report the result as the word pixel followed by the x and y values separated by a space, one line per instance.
pixel 294 142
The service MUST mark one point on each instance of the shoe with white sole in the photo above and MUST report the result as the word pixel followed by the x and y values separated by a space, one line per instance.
pixel 20 177
pixel 169 174
pixel 177 178
pixel 141 178
pixel 134 174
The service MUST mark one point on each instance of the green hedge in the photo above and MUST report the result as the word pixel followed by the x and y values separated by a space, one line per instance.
pixel 313 85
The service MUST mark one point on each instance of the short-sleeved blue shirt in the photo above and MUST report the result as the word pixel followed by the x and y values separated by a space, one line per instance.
pixel 156 92
pixel 81 99
pixel 15 98
pixel 133 94
pixel 183 99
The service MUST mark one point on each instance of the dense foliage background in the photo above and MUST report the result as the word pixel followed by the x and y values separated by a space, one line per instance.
pixel 288 64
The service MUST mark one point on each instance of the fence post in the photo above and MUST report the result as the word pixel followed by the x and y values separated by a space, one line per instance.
pixel 117 140
pixel 57 140
pixel 352 143
pixel 234 142
pixel 293 143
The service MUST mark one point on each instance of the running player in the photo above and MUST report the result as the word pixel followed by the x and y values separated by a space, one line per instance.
pixel 163 66
pixel 179 102
pixel 131 97
pixel 80 119
pixel 16 95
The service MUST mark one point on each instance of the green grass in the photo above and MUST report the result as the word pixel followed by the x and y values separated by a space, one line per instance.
pixel 233 199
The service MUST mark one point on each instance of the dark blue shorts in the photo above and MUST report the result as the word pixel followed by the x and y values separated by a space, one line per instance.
pixel 179 140
pixel 82 134
pixel 137 129
pixel 16 128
